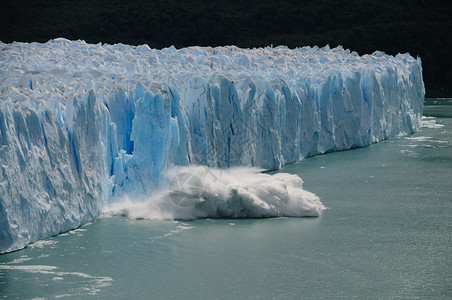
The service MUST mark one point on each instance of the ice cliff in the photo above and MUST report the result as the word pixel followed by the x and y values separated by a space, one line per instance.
pixel 82 125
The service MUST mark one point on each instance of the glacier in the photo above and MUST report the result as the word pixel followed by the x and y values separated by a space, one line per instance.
pixel 84 126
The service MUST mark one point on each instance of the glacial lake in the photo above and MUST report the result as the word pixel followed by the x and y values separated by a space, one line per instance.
pixel 387 233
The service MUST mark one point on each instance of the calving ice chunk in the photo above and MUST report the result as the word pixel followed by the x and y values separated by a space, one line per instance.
pixel 238 192
pixel 83 126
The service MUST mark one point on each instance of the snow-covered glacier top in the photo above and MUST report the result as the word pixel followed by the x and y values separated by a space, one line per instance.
pixel 61 66
pixel 83 125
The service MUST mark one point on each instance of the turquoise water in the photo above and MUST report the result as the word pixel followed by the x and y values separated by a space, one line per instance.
pixel 387 234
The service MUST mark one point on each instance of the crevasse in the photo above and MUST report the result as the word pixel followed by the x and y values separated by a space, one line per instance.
pixel 82 125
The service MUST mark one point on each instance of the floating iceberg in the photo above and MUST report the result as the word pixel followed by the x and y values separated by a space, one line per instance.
pixel 83 125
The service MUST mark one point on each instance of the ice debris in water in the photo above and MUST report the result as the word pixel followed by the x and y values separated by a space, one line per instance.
pixel 234 193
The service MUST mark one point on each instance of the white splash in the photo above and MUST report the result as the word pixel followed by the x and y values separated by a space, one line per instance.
pixel 201 192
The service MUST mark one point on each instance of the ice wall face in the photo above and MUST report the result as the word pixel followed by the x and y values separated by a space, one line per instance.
pixel 82 125
pixel 50 179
